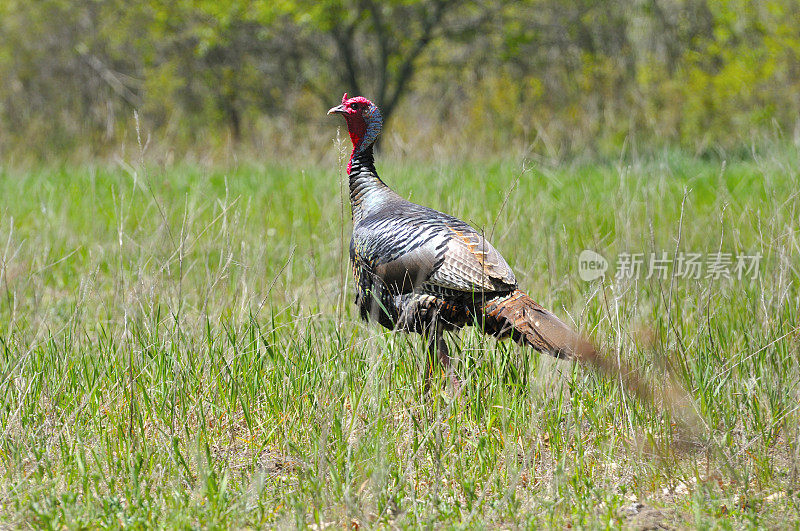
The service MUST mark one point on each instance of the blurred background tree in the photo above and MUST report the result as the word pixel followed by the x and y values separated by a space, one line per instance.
pixel 468 76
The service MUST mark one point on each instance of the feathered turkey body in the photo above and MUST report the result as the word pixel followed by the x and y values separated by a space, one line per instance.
pixel 420 270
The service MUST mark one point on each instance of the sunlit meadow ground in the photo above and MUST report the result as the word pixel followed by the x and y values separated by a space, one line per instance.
pixel 178 347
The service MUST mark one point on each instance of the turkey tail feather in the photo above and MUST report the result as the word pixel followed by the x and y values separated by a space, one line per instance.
pixel 519 317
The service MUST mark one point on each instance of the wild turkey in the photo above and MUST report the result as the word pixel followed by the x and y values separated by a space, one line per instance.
pixel 419 270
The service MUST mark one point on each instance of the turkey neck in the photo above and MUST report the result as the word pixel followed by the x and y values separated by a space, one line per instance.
pixel 367 191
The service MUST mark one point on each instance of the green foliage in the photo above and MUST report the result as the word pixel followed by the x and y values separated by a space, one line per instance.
pixel 552 77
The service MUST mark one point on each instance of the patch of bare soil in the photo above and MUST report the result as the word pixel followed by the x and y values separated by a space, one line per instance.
pixel 643 518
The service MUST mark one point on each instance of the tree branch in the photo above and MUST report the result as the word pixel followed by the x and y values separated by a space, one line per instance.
pixel 406 70
pixel 382 33
pixel 344 43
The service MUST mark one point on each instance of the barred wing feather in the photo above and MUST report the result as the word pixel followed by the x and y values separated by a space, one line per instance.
pixel 415 246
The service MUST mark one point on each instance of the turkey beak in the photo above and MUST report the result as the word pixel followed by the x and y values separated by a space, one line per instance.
pixel 338 109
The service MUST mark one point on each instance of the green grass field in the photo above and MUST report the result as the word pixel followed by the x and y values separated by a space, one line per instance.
pixel 179 348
